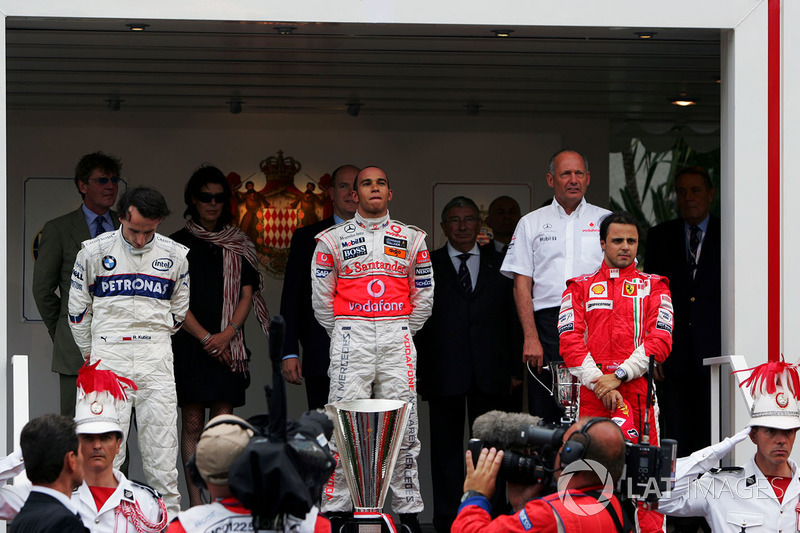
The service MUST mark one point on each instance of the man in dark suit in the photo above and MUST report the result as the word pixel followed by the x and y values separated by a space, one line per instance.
pixel 53 464
pixel 466 349
pixel 296 297
pixel 97 179
pixel 687 251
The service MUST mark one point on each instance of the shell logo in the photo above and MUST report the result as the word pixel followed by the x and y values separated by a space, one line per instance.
pixel 598 289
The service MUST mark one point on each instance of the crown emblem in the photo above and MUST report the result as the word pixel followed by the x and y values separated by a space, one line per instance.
pixel 280 168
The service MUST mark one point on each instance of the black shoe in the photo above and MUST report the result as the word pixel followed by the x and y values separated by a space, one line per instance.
pixel 409 523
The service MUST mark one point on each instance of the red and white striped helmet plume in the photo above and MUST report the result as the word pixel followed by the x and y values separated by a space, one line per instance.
pixel 99 393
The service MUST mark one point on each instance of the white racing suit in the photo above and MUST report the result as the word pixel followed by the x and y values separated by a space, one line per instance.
pixel 124 304
pixel 132 507
pixel 372 289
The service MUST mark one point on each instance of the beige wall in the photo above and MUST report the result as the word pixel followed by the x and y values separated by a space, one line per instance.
pixel 162 150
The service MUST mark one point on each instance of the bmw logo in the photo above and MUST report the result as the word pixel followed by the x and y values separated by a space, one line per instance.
pixel 109 262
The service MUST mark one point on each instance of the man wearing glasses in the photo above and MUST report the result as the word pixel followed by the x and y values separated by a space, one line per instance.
pixel 97 180
pixel 467 348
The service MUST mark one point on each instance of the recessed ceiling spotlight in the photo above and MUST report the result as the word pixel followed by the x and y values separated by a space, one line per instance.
pixel 645 34
pixel 682 101
pixel 285 30
pixel 137 26
pixel 503 32
pixel 235 105
pixel 353 108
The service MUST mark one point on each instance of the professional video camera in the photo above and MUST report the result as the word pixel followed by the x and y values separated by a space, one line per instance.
pixel 529 445
pixel 282 471
pixel 530 448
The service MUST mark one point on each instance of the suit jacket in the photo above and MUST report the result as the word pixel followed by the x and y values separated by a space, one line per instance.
pixel 296 303
pixel 58 246
pixel 44 514
pixel 697 302
pixel 466 338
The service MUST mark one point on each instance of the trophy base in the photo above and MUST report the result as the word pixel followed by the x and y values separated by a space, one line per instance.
pixel 369 523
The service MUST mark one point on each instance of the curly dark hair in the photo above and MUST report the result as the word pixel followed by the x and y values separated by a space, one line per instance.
pixel 105 162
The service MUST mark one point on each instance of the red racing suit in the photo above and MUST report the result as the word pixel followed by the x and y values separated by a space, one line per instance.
pixel 372 289
pixel 616 318
pixel 570 511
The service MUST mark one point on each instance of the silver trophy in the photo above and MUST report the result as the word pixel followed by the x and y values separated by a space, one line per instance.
pixel 564 391
pixel 368 435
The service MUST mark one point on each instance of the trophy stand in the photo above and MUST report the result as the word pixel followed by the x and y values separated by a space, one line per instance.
pixel 368 434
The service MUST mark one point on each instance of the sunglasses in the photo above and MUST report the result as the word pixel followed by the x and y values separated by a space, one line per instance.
pixel 104 180
pixel 206 197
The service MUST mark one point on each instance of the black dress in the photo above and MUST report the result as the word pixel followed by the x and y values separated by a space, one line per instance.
pixel 198 377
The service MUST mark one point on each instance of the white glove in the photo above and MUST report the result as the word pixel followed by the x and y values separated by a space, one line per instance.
pixel 11 465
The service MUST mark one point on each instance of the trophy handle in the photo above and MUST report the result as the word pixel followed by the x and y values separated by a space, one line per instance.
pixel 552 377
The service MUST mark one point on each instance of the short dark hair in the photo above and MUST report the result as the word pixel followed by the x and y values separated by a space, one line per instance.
pixel 45 441
pixel 105 162
pixel 609 454
pixel 618 217
pixel 355 181
pixel 552 167
pixel 149 202
pixel 460 201
pixel 695 169
pixel 205 175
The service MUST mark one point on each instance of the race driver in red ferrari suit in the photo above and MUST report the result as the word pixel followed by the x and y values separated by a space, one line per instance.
pixel 609 324
pixel 372 289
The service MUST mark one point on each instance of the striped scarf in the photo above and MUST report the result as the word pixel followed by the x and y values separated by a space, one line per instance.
pixel 235 244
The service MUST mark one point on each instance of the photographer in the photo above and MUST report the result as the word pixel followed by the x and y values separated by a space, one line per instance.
pixel 589 465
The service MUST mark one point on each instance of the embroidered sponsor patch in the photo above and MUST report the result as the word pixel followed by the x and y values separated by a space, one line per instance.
pixel 324 259
pixel 591 305
pixel 349 253
pixel 423 256
pixel 666 302
pixel 322 272
pixel 419 283
pixel 665 315
pixel 566 302
pixel 664 326
pixel 134 285
pixel 630 289
pixel 162 264
pixel 393 241
pixel 524 520
pixel 352 242
pixel 566 327
pixel 422 271
pixel 109 262
pixel 598 290
pixel 395 252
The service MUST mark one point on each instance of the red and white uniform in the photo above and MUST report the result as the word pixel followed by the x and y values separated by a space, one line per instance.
pixel 372 289
pixel 616 318
pixel 230 515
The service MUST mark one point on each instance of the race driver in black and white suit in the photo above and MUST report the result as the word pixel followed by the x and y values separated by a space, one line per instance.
pixel 372 289
pixel 129 294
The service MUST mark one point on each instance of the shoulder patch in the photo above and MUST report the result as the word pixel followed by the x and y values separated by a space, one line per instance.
pixel 146 487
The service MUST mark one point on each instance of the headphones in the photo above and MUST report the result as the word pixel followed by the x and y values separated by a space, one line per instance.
pixel 578 443
pixel 191 465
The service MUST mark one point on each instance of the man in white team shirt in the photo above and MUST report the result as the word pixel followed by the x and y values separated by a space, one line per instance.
pixel 551 245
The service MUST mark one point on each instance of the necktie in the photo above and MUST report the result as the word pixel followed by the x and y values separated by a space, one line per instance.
pixel 99 229
pixel 464 279
pixel 694 245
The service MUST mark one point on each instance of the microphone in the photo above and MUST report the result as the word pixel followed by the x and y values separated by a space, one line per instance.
pixel 514 431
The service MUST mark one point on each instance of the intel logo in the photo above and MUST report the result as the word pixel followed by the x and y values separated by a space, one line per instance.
pixel 162 264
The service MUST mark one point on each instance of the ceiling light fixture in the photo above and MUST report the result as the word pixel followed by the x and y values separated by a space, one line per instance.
pixel 645 34
pixel 285 30
pixel 235 105
pixel 113 103
pixel 503 32
pixel 682 101
pixel 353 108
pixel 473 109
pixel 137 26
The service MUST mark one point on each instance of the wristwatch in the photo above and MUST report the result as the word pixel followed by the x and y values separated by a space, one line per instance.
pixel 469 494
pixel 620 374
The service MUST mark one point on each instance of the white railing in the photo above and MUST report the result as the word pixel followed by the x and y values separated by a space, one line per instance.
pixel 722 410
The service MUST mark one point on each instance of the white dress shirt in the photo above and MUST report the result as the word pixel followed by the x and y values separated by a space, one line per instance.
pixel 473 263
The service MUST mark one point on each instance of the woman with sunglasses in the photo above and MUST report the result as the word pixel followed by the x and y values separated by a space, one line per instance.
pixel 211 359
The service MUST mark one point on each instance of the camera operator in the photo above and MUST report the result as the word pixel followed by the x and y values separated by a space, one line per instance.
pixel 589 465
pixel 764 494
pixel 222 441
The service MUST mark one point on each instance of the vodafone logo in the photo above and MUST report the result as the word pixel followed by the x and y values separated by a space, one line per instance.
pixel 394 228
pixel 376 288
pixel 324 259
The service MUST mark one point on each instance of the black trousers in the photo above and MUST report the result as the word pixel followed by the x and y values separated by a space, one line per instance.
pixel 540 402
pixel 447 416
